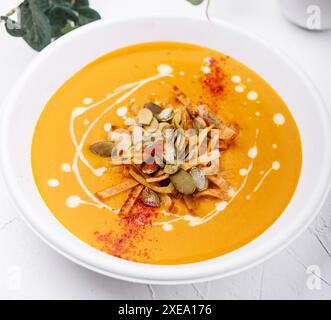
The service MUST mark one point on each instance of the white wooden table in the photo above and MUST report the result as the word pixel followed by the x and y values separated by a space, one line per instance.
pixel 30 269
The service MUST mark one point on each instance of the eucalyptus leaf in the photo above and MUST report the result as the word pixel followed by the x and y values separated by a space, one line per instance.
pixel 62 13
pixel 67 28
pixel 58 24
pixel 87 15
pixel 41 21
pixel 77 4
pixel 34 20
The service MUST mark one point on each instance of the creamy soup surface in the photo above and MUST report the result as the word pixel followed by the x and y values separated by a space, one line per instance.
pixel 262 166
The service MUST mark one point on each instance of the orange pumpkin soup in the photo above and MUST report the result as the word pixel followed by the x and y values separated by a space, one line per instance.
pixel 166 212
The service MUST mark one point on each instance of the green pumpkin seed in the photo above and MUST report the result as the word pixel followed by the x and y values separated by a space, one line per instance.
pixel 183 182
pixel 102 148
pixel 200 179
pixel 171 168
pixel 177 119
pixel 150 198
pixel 145 116
pixel 155 108
pixel 199 123
pixel 164 125
pixel 166 114
pixel 180 139
pixel 153 125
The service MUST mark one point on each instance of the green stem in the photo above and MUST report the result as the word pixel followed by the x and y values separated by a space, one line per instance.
pixel 207 9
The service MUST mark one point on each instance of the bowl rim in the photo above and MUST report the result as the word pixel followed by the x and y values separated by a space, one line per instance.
pixel 22 205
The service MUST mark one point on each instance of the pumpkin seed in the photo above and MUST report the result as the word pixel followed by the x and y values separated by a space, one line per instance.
pixel 177 119
pixel 155 108
pixel 153 125
pixel 200 179
pixel 171 168
pixel 180 139
pixel 183 182
pixel 102 148
pixel 211 119
pixel 199 123
pixel 166 114
pixel 164 125
pixel 145 116
pixel 150 198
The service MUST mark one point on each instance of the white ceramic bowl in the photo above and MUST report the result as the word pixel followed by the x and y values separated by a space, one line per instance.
pixel 66 56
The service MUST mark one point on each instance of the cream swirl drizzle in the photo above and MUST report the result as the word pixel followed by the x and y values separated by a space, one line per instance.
pixel 123 93
pixel 164 71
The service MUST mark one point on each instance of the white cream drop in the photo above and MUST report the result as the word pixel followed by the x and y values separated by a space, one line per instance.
pixel 86 122
pixel 121 111
pixel 275 165
pixel 66 167
pixel 167 227
pixel 243 172
pixel 207 60
pixel 164 69
pixel 182 73
pixel 248 197
pixel 53 183
pixel 239 88
pixel 73 201
pixel 279 119
pixel 107 127
pixel 129 121
pixel 274 146
pixel 205 69
pixel 252 95
pixel 87 101
pixel 236 79
pixel 252 152
pixel 257 114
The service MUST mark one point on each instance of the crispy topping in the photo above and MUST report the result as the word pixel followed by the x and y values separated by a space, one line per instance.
pixel 170 167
